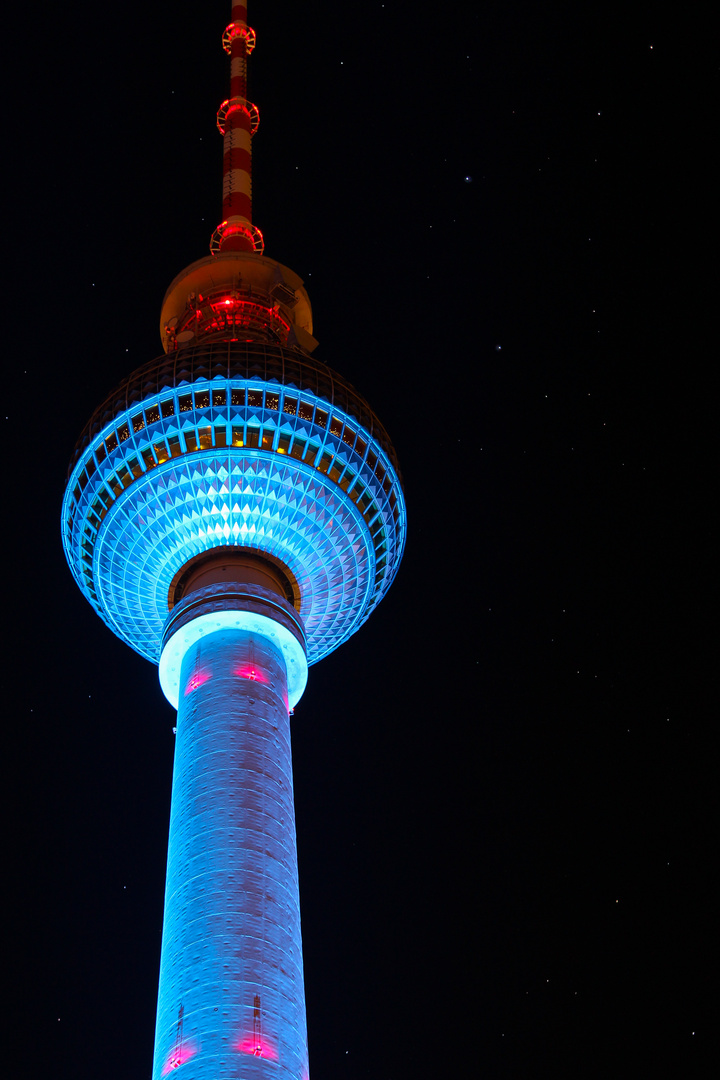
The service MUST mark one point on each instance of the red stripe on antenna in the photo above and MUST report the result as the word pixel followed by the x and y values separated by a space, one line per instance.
pixel 237 120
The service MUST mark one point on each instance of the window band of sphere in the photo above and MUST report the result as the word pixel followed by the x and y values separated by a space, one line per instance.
pixel 123 457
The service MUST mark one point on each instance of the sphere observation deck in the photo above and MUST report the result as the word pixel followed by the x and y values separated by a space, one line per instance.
pixel 246 444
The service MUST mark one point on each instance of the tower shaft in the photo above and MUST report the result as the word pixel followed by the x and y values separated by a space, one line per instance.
pixel 231 997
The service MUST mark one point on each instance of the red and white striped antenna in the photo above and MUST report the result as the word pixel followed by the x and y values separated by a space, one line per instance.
pixel 237 121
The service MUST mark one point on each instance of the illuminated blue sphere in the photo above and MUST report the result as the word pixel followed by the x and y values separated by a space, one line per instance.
pixel 248 444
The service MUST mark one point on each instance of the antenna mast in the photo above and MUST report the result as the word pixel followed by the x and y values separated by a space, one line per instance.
pixel 237 121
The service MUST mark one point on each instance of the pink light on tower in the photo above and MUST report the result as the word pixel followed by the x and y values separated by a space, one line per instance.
pixel 182 1051
pixel 250 671
pixel 257 1044
pixel 196 679
pixel 179 1057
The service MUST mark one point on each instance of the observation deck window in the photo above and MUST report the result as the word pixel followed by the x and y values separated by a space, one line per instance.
pixel 290 406
pixel 306 411
pixel 161 452
pixel 360 447
pixel 205 436
pixel 321 418
pixel 298 448
pixel 123 433
pixel 90 467
pixel 312 452
pixel 111 443
pixel 185 403
pixel 238 434
pixel 283 444
pixel 348 436
pixel 100 453
pixel 124 476
pixel 335 470
pixel 252 436
pixel 191 441
pixel 202 399
pixel 167 407
pixel 272 401
pixel 115 484
pixel 267 438
pixel 138 422
pixel 336 427
pixel 174 444
pixel 293 372
pixel 372 516
pixel 255 399
pixel 237 396
pixel 135 467
pixel 319 383
pixel 152 415
pixel 324 463
pixel 372 460
pixel 220 435
pixel 219 397
pixel 347 479
pixel 147 456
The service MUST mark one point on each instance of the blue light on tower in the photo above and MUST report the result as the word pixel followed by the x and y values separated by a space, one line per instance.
pixel 234 512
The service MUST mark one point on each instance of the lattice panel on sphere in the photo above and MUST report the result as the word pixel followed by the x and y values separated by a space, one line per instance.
pixel 191 506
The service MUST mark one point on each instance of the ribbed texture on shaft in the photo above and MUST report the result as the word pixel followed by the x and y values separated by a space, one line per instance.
pixel 231 1000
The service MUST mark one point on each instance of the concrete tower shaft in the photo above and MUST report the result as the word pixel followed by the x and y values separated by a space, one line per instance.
pixel 231 997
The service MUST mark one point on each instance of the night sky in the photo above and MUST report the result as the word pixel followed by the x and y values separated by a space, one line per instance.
pixel 504 786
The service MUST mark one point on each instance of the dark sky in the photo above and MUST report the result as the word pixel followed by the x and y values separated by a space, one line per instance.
pixel 504 785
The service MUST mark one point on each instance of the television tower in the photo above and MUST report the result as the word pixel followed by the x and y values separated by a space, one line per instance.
pixel 234 512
